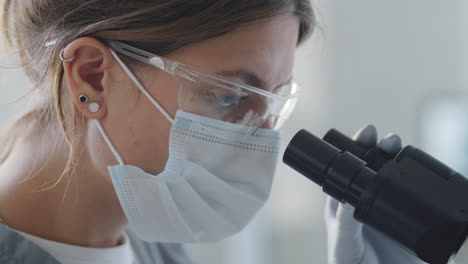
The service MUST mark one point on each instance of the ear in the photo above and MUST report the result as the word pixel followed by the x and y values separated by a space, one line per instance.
pixel 86 75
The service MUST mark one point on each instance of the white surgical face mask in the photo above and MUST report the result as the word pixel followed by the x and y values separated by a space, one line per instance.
pixel 216 179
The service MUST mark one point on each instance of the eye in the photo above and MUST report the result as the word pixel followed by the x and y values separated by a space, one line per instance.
pixel 227 99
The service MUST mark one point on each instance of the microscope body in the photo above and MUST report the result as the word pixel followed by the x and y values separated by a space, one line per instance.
pixel 423 208
pixel 412 198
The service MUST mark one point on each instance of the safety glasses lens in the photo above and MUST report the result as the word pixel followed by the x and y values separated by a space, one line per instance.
pixel 231 103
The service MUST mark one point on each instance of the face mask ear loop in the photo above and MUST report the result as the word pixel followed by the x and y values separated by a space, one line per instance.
pixel 109 143
pixel 142 89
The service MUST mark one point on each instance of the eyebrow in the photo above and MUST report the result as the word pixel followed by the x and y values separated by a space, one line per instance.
pixel 249 78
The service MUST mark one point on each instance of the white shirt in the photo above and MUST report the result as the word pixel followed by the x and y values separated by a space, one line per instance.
pixel 70 254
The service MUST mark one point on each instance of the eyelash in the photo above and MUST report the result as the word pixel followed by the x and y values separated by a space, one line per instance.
pixel 216 98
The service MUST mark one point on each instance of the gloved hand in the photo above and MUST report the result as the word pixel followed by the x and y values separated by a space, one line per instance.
pixel 350 242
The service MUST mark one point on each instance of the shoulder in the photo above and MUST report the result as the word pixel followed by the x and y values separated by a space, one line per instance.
pixel 14 248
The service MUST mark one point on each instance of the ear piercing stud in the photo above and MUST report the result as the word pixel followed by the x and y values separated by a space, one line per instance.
pixel 92 107
pixel 65 60
pixel 83 99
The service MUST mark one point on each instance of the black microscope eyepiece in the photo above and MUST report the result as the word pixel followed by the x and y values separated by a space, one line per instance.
pixel 341 174
pixel 310 156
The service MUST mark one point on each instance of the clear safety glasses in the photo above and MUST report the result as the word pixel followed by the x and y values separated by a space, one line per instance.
pixel 218 97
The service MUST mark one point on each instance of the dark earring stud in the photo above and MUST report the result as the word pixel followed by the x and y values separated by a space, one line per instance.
pixel 83 99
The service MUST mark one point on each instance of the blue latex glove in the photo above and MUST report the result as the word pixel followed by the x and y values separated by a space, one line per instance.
pixel 350 242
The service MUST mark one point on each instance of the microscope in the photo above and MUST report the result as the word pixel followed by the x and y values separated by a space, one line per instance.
pixel 412 198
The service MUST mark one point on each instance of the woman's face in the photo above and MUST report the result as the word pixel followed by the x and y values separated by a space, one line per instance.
pixel 260 54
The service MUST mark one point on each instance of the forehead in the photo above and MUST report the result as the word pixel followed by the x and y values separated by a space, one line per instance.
pixel 265 48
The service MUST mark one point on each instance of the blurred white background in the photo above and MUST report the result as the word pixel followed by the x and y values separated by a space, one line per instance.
pixel 380 62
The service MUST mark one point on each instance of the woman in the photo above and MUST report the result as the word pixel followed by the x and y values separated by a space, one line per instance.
pixel 159 116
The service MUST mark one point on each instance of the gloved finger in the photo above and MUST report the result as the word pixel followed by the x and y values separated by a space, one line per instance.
pixel 345 242
pixel 346 222
pixel 331 205
pixel 367 136
pixel 391 144
pixel 341 214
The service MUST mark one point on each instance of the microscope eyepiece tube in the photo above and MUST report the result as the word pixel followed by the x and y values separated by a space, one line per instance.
pixel 341 174
pixel 310 156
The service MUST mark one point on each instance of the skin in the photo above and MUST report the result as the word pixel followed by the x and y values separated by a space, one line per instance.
pixel 83 209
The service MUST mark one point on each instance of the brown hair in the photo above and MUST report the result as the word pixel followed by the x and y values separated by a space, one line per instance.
pixel 157 26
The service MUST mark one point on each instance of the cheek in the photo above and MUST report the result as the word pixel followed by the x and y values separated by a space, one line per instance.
pixel 143 131
pixel 148 141
pixel 136 128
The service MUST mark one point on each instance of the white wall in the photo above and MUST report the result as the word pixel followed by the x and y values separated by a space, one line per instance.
pixel 389 57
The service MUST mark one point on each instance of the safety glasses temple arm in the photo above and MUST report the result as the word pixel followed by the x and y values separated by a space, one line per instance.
pixel 182 70
pixel 142 56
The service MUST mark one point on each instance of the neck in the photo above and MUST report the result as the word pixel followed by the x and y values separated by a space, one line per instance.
pixel 79 209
